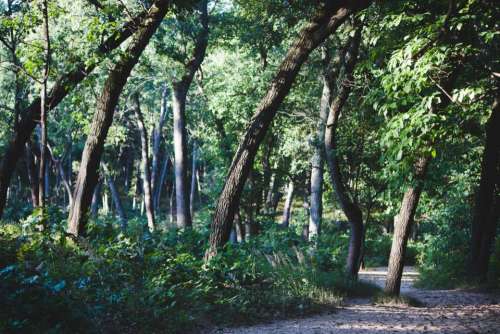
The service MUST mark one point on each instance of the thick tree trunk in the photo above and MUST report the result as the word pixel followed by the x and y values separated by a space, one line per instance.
pixel 323 24
pixel 180 90
pixel 156 182
pixel 115 196
pixel 349 207
pixel 91 157
pixel 287 208
pixel 402 226
pixel 63 86
pixel 483 231
pixel 146 176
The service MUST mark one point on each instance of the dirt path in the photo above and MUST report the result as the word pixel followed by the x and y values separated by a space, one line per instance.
pixel 445 311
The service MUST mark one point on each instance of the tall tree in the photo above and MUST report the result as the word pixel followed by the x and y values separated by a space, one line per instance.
pixel 349 206
pixel 103 117
pixel 179 95
pixel 156 179
pixel 325 22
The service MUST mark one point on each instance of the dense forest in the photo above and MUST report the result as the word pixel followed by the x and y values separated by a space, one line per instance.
pixel 182 166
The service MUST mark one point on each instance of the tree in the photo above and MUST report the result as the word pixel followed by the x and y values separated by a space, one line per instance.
pixel 348 205
pixel 64 85
pixel 117 78
pixel 180 90
pixel 328 19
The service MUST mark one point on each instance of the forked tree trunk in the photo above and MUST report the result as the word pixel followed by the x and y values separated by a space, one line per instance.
pixel 180 90
pixel 349 207
pixel 402 227
pixel 287 208
pixel 328 19
pixel 146 176
pixel 63 86
pixel 91 157
pixel 62 176
pixel 483 222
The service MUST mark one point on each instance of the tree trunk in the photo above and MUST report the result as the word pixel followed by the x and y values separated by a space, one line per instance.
pixel 94 208
pixel 88 173
pixel 287 208
pixel 349 207
pixel 180 90
pixel 32 174
pixel 323 24
pixel 402 227
pixel 318 157
pixel 161 182
pixel 156 182
pixel 192 191
pixel 63 86
pixel 115 196
pixel 404 220
pixel 483 233
pixel 62 175
pixel 42 184
pixel 146 176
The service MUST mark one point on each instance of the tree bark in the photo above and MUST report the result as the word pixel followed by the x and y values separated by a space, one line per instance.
pixel 328 19
pixel 349 207
pixel 88 173
pixel 32 174
pixel 94 208
pixel 161 182
pixel 318 157
pixel 287 208
pixel 146 176
pixel 42 184
pixel 402 227
pixel 483 231
pixel 180 90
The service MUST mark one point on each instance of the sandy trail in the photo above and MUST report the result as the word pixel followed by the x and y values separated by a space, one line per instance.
pixel 445 311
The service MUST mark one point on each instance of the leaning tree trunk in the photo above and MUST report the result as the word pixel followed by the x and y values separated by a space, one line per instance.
pixel 323 24
pixel 287 208
pixel 483 233
pixel 180 90
pixel 349 207
pixel 91 157
pixel 146 176
pixel 402 226
pixel 404 220
pixel 63 86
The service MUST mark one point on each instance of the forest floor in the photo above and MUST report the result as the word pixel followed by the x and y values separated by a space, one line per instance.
pixel 443 311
